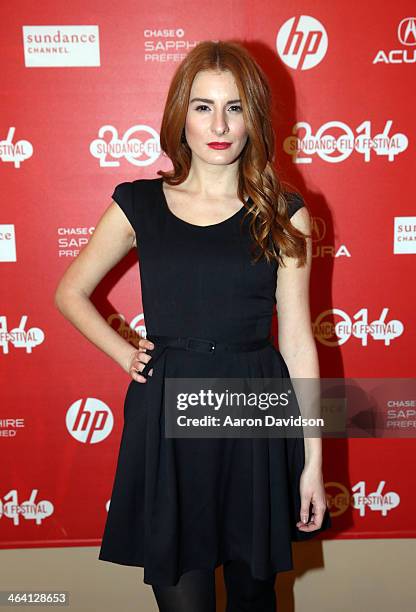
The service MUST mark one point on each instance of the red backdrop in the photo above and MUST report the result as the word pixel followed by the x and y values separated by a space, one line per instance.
pixel 83 93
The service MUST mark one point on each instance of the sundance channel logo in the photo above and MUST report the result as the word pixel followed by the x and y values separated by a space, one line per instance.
pixel 61 45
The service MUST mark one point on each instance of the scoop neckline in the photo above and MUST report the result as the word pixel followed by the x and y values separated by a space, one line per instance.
pixel 165 203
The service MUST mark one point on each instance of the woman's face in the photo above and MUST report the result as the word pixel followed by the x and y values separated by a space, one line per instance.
pixel 215 115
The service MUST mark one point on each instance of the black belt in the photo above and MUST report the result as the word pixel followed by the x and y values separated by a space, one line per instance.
pixel 204 345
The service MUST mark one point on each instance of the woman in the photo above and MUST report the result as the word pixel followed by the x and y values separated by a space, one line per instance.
pixel 210 236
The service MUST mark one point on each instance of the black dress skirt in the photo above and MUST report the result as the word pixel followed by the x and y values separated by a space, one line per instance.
pixel 179 504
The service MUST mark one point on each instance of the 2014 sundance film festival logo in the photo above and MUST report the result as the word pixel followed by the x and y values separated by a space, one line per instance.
pixel 30 509
pixel 302 42
pixel 15 151
pixel 23 337
pixel 335 327
pixel 61 46
pixel 376 501
pixel 139 145
pixel 334 142
pixel 361 497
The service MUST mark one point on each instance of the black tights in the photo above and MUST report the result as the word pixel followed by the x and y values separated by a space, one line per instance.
pixel 195 591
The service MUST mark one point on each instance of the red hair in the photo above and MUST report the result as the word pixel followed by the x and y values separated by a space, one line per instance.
pixel 270 226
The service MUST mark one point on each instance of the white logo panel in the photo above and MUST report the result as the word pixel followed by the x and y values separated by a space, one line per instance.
pixel 61 45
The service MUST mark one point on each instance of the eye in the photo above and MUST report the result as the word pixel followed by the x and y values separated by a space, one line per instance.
pixel 203 106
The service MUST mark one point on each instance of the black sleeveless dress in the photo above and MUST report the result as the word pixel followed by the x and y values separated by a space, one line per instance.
pixel 179 504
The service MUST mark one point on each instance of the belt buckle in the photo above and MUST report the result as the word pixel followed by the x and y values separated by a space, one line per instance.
pixel 211 343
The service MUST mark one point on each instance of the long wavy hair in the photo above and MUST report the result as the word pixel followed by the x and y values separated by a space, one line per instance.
pixel 270 226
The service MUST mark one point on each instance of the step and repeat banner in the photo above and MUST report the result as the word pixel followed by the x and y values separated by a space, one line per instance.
pixel 83 92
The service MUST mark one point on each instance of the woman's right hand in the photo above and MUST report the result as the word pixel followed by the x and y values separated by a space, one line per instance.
pixel 138 359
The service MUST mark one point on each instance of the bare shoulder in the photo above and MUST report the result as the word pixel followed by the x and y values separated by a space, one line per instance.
pixel 301 219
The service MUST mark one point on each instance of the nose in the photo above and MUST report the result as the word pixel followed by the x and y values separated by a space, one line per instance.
pixel 219 124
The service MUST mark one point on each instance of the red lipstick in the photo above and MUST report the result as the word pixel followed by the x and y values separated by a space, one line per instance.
pixel 219 145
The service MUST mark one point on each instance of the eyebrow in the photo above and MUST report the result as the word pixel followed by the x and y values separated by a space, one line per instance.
pixel 211 101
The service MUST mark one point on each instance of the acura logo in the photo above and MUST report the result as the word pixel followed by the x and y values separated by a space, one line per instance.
pixel 406 32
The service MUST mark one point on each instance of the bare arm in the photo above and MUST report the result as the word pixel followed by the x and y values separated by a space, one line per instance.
pixel 298 348
pixel 112 239
pixel 296 341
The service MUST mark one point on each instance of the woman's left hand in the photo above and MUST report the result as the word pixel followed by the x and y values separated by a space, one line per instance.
pixel 312 490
